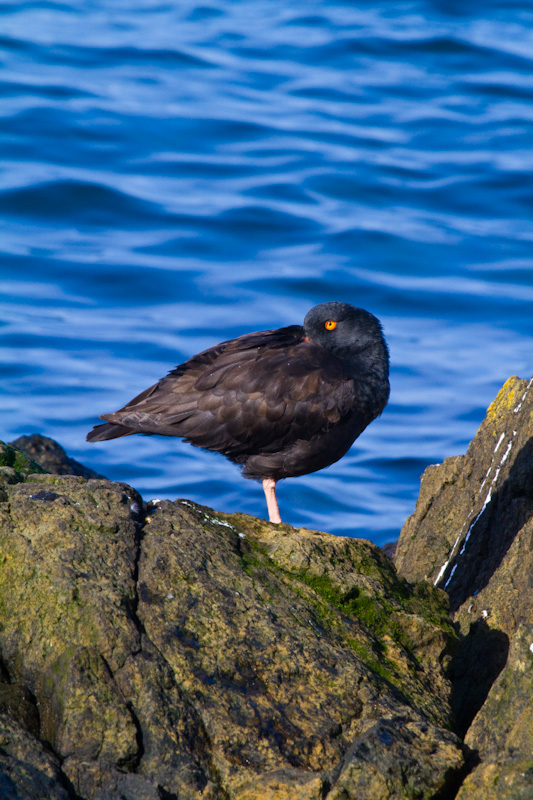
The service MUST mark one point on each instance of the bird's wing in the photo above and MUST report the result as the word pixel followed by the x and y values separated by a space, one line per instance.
pixel 258 393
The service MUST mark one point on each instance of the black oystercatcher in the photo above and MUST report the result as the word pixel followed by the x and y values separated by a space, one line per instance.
pixel 279 403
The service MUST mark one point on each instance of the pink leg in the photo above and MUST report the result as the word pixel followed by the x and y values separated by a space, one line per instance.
pixel 269 488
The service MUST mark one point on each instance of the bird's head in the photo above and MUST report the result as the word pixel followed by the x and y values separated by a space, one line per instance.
pixel 343 329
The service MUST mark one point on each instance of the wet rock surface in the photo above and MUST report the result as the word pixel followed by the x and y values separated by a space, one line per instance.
pixel 472 534
pixel 167 651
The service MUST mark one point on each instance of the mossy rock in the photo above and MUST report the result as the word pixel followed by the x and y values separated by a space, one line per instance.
pixel 174 650
pixel 15 466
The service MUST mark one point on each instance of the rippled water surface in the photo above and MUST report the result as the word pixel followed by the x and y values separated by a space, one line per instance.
pixel 176 174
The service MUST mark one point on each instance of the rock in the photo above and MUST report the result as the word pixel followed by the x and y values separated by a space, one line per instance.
pixel 167 651
pixel 390 549
pixel 471 534
pixel 294 645
pixel 28 770
pixel 51 457
pixel 15 466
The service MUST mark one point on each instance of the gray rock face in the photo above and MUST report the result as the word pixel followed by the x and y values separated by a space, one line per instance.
pixel 472 534
pixel 167 651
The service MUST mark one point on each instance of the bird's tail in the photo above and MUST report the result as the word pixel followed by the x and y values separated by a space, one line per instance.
pixel 108 431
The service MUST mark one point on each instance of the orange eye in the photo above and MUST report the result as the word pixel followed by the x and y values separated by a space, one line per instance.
pixel 330 324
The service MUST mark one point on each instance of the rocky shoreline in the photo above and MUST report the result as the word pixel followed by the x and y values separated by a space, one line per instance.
pixel 166 651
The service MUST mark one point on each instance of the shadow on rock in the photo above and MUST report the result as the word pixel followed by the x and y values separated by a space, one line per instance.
pixel 479 659
pixel 492 532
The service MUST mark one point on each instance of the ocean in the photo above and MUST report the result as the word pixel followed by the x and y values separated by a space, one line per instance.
pixel 177 174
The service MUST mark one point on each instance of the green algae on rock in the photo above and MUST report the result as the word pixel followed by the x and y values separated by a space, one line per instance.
pixel 51 457
pixel 15 465
pixel 283 676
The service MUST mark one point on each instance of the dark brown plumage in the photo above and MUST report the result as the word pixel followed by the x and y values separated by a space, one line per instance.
pixel 279 403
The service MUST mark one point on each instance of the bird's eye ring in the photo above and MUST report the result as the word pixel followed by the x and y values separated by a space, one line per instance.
pixel 330 324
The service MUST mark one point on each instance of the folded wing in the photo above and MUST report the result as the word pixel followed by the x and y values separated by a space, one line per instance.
pixel 258 393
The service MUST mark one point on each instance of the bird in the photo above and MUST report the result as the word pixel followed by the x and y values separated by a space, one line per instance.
pixel 279 403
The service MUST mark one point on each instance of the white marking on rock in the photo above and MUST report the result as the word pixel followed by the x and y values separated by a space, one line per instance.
pixel 219 522
pixel 488 498
pixel 500 440
pixel 504 459
pixel 445 565
pixel 485 478
pixel 451 575
pixel 519 406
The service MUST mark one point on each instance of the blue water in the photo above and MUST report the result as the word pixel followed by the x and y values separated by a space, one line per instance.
pixel 176 174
